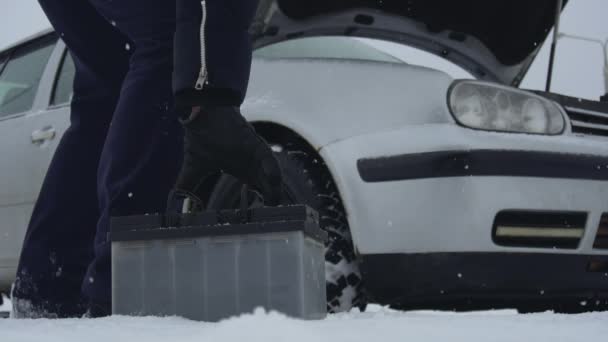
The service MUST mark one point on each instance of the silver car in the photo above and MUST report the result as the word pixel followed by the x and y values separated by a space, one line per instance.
pixel 436 192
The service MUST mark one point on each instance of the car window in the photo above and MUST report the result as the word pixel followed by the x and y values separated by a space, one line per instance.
pixel 3 60
pixel 415 56
pixel 21 76
pixel 325 47
pixel 62 93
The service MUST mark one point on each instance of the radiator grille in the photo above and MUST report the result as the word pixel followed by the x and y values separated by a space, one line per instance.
pixel 601 239
pixel 588 122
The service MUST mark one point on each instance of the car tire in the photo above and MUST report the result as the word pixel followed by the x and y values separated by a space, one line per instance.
pixel 308 181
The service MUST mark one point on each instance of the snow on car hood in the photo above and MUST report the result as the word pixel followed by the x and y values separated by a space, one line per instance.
pixel 494 40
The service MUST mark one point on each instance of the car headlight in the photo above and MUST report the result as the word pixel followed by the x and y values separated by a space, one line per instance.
pixel 493 107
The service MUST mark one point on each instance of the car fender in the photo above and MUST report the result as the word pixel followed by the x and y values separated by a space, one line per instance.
pixel 325 101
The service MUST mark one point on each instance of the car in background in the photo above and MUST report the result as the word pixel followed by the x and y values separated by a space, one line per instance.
pixel 436 192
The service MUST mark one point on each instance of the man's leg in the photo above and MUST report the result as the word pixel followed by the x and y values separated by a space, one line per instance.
pixel 143 149
pixel 59 242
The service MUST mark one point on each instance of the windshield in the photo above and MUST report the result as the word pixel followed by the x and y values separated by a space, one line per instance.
pixel 414 56
pixel 325 47
pixel 361 49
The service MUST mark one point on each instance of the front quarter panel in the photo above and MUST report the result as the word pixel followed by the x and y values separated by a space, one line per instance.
pixel 330 100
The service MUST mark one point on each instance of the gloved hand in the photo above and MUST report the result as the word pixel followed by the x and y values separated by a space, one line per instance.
pixel 218 138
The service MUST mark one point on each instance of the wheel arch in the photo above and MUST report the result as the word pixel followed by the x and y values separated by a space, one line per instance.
pixel 277 133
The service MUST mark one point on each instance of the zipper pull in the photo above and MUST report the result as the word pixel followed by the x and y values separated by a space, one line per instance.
pixel 200 82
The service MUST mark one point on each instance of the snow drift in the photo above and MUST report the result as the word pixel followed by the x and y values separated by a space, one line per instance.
pixel 377 324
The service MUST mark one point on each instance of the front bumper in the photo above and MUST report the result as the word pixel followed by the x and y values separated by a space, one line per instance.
pixel 466 281
pixel 446 197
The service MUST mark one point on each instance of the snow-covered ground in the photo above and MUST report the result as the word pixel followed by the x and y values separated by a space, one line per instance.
pixel 377 324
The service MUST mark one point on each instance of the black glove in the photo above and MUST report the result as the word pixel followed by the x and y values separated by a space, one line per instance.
pixel 218 139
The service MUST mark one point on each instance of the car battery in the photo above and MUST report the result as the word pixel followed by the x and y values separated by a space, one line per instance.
pixel 212 265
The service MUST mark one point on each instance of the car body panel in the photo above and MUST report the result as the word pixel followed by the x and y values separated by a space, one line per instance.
pixel 529 282
pixel 339 105
pixel 456 214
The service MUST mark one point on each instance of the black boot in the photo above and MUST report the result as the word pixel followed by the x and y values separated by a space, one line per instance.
pixel 99 310
pixel 218 138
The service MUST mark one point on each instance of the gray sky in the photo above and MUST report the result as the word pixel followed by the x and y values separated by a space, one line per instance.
pixel 578 65
pixel 20 19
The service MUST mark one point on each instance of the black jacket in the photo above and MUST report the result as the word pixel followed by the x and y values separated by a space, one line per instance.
pixel 212 51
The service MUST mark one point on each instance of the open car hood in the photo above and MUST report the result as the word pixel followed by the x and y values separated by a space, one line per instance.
pixel 495 40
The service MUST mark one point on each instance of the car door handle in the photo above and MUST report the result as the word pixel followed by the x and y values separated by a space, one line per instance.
pixel 42 135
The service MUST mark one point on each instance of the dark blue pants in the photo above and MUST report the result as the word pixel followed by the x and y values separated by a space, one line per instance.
pixel 119 157
pixel 227 47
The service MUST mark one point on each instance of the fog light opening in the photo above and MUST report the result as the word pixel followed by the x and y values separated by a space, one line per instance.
pixel 601 238
pixel 597 266
pixel 539 229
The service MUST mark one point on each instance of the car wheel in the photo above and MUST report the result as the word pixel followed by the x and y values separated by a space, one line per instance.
pixel 308 181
